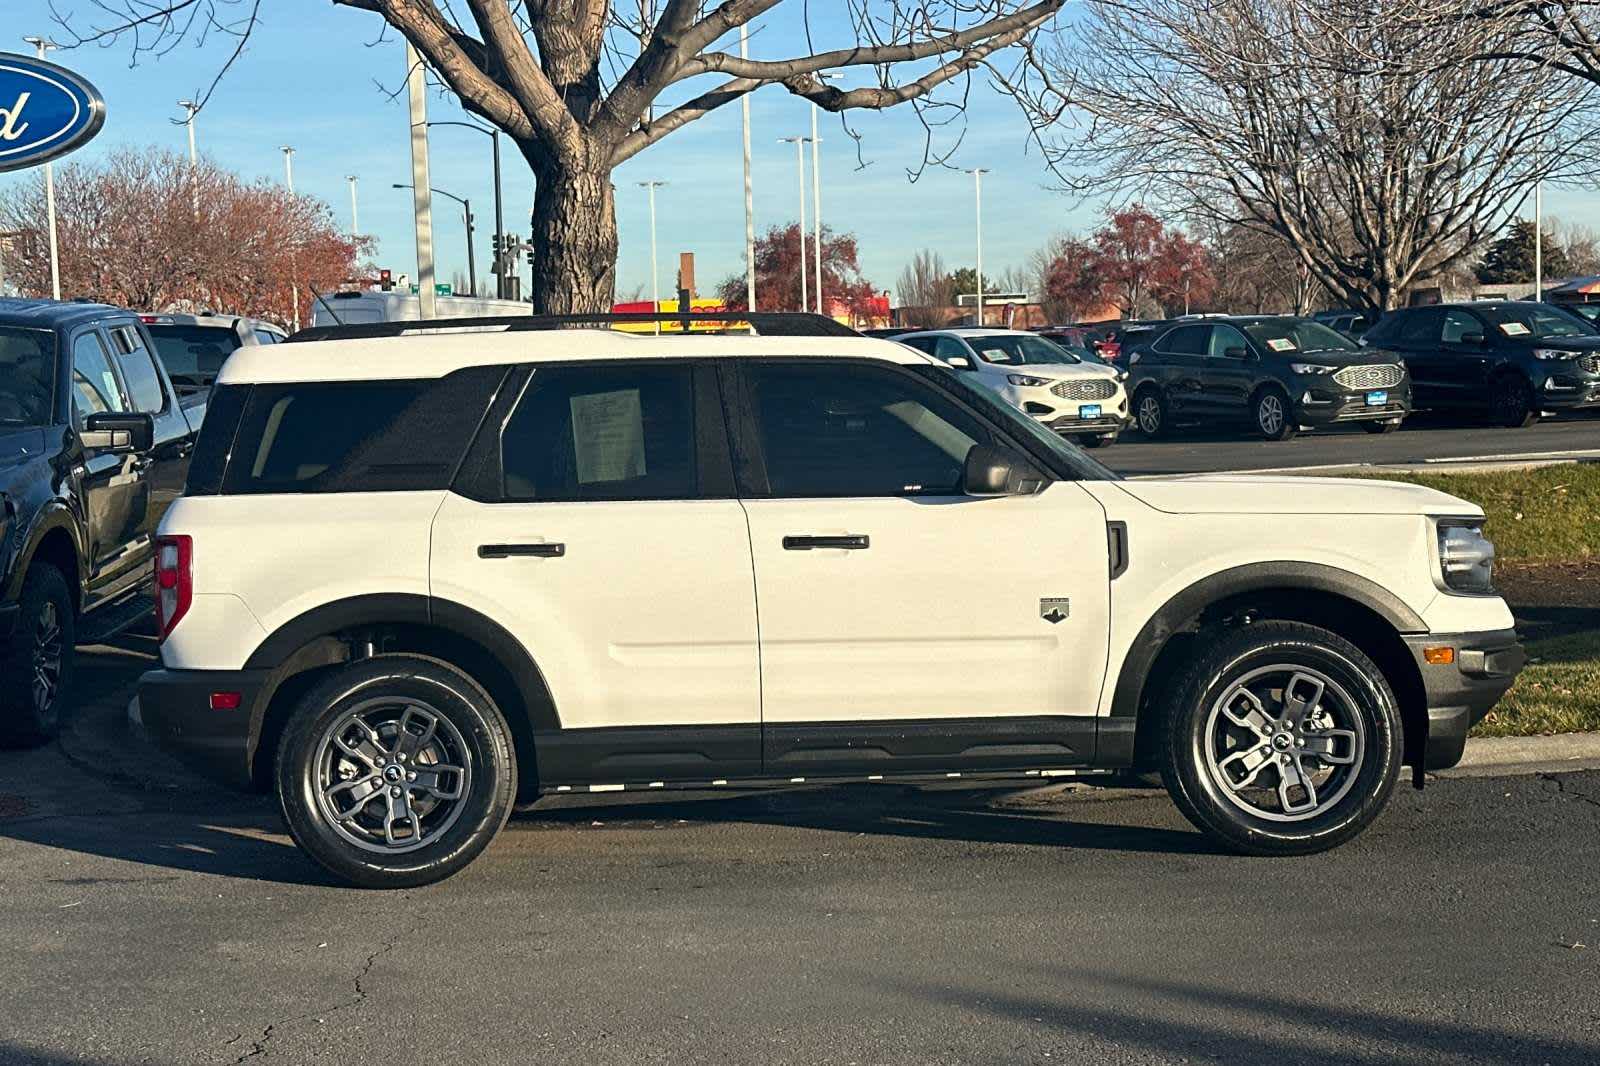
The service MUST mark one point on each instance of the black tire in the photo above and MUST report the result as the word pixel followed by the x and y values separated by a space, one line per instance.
pixel 467 727
pixel 1150 412
pixel 1097 440
pixel 1380 427
pixel 1354 792
pixel 30 710
pixel 1273 414
pixel 1512 402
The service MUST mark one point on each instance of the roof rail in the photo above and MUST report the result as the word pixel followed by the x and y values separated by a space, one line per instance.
pixel 762 323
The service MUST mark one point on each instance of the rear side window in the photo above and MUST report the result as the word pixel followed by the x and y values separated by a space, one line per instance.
pixel 139 373
pixel 606 433
pixel 27 376
pixel 356 436
pixel 1186 340
pixel 193 354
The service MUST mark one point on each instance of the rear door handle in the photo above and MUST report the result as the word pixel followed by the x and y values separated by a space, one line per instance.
pixel 847 541
pixel 508 551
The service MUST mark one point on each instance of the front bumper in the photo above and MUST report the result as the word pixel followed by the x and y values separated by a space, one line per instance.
pixel 1327 407
pixel 1069 427
pixel 1461 692
pixel 175 706
pixel 1569 391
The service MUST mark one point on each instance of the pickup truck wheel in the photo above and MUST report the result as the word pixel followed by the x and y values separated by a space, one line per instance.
pixel 395 771
pixel 40 659
pixel 1281 739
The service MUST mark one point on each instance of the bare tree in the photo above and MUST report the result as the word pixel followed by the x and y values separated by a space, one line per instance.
pixel 924 290
pixel 577 84
pixel 1358 138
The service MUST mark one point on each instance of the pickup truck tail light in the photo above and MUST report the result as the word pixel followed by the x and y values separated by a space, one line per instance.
pixel 174 581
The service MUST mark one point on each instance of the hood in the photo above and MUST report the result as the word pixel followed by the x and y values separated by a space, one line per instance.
pixel 1059 371
pixel 1271 494
pixel 1335 357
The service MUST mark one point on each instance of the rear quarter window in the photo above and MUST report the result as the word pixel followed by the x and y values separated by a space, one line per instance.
pixel 354 436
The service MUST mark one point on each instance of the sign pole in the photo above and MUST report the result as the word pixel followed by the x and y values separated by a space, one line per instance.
pixel 422 198
pixel 44 46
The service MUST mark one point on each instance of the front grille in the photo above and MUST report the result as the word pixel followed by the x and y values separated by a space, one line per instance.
pixel 1376 376
pixel 1085 389
pixel 1590 363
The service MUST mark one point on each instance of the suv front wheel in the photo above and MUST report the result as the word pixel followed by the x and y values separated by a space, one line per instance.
pixel 1281 738
pixel 395 771
pixel 1274 418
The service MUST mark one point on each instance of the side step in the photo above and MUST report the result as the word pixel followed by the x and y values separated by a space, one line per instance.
pixel 105 623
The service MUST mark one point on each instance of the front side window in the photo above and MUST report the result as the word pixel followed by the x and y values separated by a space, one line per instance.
pixel 618 432
pixel 948 348
pixel 1459 326
pixel 1224 338
pixel 27 376
pixel 95 386
pixel 836 429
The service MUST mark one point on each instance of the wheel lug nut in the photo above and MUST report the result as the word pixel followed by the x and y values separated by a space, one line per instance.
pixel 412 776
pixel 395 791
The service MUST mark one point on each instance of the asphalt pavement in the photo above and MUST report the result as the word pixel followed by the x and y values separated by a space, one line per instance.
pixel 148 918
pixel 1421 438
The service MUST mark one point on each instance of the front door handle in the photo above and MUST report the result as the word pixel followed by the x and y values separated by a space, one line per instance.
pixel 508 551
pixel 847 541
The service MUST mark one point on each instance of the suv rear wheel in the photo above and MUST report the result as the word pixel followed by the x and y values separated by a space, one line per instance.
pixel 1281 739
pixel 396 771
pixel 38 665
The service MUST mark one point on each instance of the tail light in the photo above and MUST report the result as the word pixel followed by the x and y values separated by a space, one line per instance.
pixel 174 581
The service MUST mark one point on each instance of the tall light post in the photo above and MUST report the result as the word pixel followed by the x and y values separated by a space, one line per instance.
pixel 466 215
pixel 288 167
pixel 288 180
pixel 355 210
pixel 190 109
pixel 749 194
pixel 977 192
pixel 44 46
pixel 800 170
pixel 655 279
pixel 816 194
pixel 500 261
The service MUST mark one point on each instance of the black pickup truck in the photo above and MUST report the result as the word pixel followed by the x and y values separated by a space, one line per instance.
pixel 94 446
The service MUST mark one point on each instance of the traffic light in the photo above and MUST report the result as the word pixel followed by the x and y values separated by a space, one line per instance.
pixel 385 280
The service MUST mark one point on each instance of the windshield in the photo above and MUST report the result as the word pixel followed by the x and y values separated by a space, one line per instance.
pixel 27 376
pixel 1018 349
pixel 1286 336
pixel 1590 312
pixel 1069 461
pixel 193 354
pixel 1534 323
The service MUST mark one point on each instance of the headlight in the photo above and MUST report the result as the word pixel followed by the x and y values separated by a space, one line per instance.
pixel 1466 556
pixel 1026 382
pixel 1553 353
pixel 1122 375
pixel 1311 368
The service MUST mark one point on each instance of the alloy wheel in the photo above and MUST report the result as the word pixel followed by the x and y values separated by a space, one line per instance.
pixel 1269 414
pixel 391 775
pixel 1149 415
pixel 1284 743
pixel 49 646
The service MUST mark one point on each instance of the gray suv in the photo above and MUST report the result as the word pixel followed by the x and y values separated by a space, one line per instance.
pixel 194 347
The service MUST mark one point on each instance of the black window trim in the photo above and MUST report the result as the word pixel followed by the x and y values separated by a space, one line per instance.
pixel 750 459
pixel 97 330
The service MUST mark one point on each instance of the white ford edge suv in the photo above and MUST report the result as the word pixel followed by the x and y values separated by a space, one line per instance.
pixel 418 579
pixel 1077 397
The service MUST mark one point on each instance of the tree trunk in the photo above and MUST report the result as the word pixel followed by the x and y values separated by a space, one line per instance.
pixel 574 240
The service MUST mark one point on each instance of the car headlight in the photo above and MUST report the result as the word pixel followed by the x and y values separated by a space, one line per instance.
pixel 1311 368
pixel 1026 382
pixel 1466 556
pixel 1122 375
pixel 1553 353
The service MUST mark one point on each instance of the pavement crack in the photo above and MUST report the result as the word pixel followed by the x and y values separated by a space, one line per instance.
pixel 1559 781
pixel 259 1045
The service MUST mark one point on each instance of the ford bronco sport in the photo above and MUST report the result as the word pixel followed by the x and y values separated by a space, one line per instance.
pixel 417 579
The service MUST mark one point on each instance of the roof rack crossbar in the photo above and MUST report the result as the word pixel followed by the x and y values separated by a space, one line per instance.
pixel 764 323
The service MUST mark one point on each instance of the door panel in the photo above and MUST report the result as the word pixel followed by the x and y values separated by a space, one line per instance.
pixel 635 596
pixel 1463 367
pixel 114 488
pixel 1226 380
pixel 1183 359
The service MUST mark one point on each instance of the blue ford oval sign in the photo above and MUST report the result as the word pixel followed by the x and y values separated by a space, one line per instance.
pixel 45 111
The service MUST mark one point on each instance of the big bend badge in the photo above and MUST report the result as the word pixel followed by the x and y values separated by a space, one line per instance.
pixel 1055 609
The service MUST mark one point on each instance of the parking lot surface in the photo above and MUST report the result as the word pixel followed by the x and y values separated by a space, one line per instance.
pixel 1420 438
pixel 151 919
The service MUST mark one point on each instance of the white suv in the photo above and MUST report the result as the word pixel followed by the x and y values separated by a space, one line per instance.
pixel 1077 396
pixel 416 579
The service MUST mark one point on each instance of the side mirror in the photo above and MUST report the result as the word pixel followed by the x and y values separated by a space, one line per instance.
pixel 990 471
pixel 118 432
pixel 1244 355
pixel 958 362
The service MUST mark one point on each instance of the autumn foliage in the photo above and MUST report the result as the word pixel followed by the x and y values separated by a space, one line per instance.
pixel 1132 261
pixel 780 254
pixel 140 229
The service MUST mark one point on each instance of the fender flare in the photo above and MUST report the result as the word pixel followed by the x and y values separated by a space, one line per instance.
pixel 412 609
pixel 52 515
pixel 1252 577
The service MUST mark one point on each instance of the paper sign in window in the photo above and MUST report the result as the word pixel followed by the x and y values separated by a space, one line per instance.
pixel 1514 329
pixel 1280 344
pixel 608 436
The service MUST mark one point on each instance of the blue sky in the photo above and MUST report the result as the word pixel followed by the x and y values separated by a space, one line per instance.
pixel 311 78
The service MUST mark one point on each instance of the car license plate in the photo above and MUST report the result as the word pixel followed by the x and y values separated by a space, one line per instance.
pixel 1089 410
pixel 1377 399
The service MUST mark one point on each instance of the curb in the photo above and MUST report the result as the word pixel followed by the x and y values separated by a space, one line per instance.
pixel 1500 756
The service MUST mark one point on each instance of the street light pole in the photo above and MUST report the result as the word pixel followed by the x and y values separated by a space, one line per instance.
pixel 190 108
pixel 816 196
pixel 655 280
pixel 749 195
pixel 977 191
pixel 355 211
pixel 800 164
pixel 466 216
pixel 1538 238
pixel 288 179
pixel 502 287
pixel 288 167
pixel 50 195
pixel 422 204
